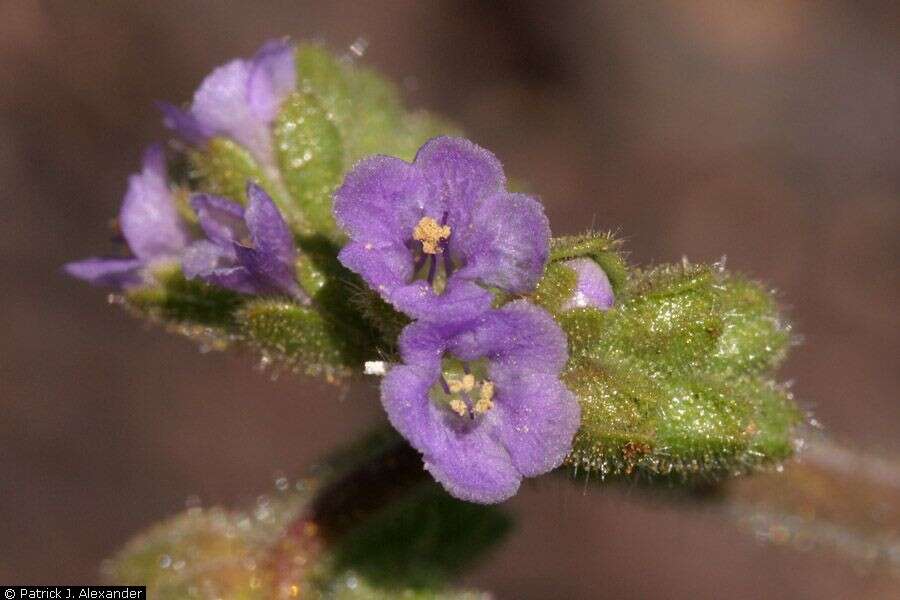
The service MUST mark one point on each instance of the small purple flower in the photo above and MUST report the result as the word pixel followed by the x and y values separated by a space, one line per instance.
pixel 431 236
pixel 250 250
pixel 150 224
pixel 592 288
pixel 239 100
pixel 483 401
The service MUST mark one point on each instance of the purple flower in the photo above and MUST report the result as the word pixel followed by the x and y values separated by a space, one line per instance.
pixel 150 224
pixel 247 250
pixel 482 401
pixel 431 236
pixel 592 288
pixel 239 100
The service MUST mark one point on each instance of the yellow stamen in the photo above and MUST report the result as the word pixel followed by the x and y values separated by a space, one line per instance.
pixel 466 384
pixel 459 407
pixel 430 233
pixel 485 399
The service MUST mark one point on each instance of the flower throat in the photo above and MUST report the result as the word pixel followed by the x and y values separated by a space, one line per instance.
pixel 433 264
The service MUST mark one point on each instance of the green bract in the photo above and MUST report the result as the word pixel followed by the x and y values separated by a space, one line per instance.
pixel 676 379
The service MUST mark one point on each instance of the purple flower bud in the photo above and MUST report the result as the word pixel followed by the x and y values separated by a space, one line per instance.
pixel 592 288
pixel 431 236
pixel 482 401
pixel 250 250
pixel 150 224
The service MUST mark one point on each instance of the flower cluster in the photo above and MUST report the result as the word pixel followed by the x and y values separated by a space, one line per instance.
pixel 248 250
pixel 478 393
pixel 441 239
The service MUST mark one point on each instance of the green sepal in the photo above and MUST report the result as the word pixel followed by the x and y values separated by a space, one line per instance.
pixel 336 298
pixel 174 299
pixel 376 117
pixel 364 106
pixel 310 155
pixel 603 248
pixel 669 318
pixel 223 167
pixel 755 338
pixel 385 319
pixel 674 379
pixel 328 336
pixel 703 426
pixel 299 337
pixel 555 287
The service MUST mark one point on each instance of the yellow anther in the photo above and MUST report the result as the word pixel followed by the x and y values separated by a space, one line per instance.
pixel 430 233
pixel 459 407
pixel 485 398
pixel 466 384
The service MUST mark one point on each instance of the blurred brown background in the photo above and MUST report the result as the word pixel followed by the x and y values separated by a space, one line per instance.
pixel 767 131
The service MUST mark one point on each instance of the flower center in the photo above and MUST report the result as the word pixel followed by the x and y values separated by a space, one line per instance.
pixel 431 234
pixel 464 389
pixel 429 246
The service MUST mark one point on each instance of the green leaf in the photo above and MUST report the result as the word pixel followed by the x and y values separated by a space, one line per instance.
pixel 310 155
pixel 175 299
pixel 287 544
pixel 214 553
pixel 421 541
pixel 351 586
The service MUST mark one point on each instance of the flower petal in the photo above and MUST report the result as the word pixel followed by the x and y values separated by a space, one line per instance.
pixel 475 468
pixel 217 265
pixel 468 463
pixel 507 243
pixel 520 336
pixel 149 219
pixel 270 234
pixel 272 77
pixel 220 105
pixel 203 257
pixel 221 219
pixel 114 272
pixel 184 124
pixel 460 174
pixel 381 200
pixel 536 418
pixel 384 268
pixel 404 394
pixel 272 257
pixel 422 344
pixel 461 301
